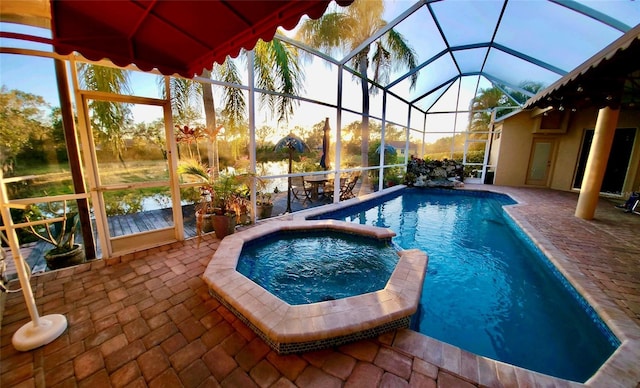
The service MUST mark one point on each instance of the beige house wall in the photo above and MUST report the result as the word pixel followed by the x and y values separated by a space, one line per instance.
pixel 512 150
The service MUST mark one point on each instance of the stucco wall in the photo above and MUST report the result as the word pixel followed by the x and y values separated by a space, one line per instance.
pixel 569 145
pixel 515 146
pixel 516 139
pixel 631 119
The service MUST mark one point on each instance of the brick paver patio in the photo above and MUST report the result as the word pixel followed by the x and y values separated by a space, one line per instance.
pixel 147 319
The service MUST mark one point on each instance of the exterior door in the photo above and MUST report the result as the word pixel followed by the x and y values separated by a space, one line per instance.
pixel 540 161
pixel 617 165
pixel 130 174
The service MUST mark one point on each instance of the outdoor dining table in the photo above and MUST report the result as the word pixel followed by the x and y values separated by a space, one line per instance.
pixel 316 181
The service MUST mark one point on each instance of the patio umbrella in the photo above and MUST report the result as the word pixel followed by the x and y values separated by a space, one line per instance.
pixel 387 148
pixel 292 143
pixel 324 159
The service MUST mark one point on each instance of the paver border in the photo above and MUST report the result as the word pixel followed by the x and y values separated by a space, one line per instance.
pixel 288 328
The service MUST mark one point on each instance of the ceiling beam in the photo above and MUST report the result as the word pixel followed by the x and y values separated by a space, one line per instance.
pixel 529 59
pixel 592 13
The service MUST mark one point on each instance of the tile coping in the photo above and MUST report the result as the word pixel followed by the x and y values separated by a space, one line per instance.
pixel 283 323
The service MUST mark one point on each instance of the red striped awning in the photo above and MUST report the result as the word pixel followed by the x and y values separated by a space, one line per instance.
pixel 173 36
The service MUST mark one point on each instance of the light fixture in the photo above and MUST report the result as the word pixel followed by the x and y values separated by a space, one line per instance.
pixel 579 89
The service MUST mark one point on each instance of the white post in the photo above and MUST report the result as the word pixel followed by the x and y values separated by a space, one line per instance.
pixel 382 142
pixel 337 163
pixel 252 132
pixel 41 330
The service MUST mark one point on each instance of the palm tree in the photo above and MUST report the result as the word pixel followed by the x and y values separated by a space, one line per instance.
pixel 277 68
pixel 480 107
pixel 186 97
pixel 348 28
pixel 486 99
pixel 109 119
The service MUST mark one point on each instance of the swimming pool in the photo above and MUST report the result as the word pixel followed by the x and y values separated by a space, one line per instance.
pixel 488 289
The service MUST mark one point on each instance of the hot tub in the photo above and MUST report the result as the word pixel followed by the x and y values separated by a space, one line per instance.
pixel 304 327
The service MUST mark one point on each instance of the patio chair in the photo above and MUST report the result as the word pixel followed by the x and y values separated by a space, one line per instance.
pixel 330 185
pixel 300 189
pixel 632 204
pixel 346 191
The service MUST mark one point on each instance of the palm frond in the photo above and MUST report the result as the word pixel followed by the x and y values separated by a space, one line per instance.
pixel 263 65
pixel 194 168
pixel 381 63
pixel 289 76
pixel 105 79
pixel 185 95
pixel 233 98
pixel 402 54
pixel 277 66
pixel 327 33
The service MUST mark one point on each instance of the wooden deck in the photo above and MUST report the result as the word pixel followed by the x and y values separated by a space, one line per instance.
pixel 127 224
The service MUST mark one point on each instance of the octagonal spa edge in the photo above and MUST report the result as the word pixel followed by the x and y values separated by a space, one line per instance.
pixel 296 328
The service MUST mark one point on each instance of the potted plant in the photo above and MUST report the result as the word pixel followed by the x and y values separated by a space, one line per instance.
pixel 59 232
pixel 220 197
pixel 241 207
pixel 224 198
pixel 264 205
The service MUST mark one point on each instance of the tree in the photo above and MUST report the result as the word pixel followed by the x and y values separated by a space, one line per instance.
pixel 531 86
pixel 493 97
pixel 277 68
pixel 58 149
pixel 152 133
pixel 345 30
pixel 262 133
pixel 109 120
pixel 22 116
pixel 481 105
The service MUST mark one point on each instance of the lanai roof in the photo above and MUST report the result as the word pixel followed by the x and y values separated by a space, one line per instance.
pixel 462 46
pixel 469 45
pixel 609 78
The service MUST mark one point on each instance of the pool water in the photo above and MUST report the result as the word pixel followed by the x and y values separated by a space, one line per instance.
pixel 314 266
pixel 488 290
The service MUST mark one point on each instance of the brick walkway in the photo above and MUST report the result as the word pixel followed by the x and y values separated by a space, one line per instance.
pixel 148 320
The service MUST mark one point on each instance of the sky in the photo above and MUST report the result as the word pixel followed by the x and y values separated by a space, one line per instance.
pixel 547 31
pixel 13 75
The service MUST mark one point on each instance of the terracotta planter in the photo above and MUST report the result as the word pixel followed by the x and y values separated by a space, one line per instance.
pixel 264 211
pixel 65 259
pixel 224 225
